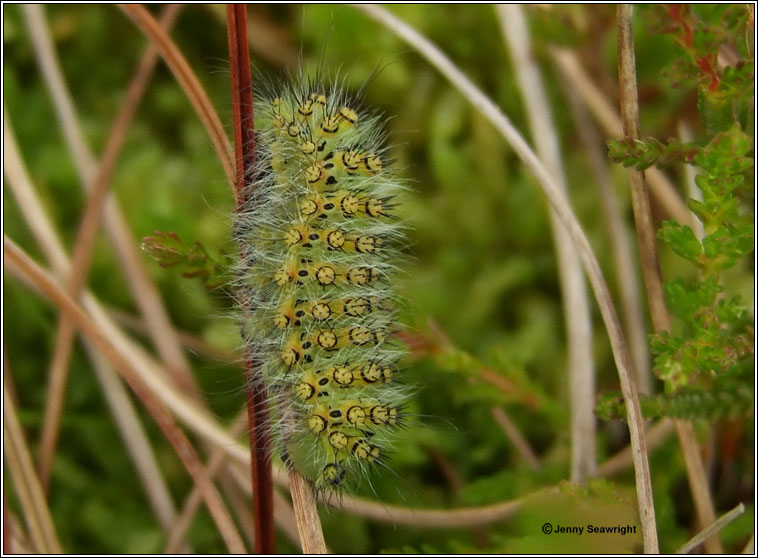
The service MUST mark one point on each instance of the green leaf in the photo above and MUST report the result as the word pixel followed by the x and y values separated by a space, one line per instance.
pixel 610 406
pixel 726 153
pixel 682 240
pixel 729 243
pixel 681 300
pixel 715 112
pixel 642 154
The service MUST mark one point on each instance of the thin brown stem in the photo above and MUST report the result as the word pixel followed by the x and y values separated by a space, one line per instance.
pixel 84 244
pixel 22 266
pixel 640 201
pixel 608 119
pixel 145 294
pixel 193 502
pixel 26 483
pixel 650 268
pixel 269 41
pixel 619 237
pixel 190 341
pixel 189 82
pixel 257 400
pixel 119 402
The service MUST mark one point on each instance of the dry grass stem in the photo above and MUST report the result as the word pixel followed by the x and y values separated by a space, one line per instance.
pixel 284 514
pixel 15 540
pixel 189 83
pixel 22 266
pixel 620 238
pixel 193 502
pixel 121 406
pixel 714 527
pixel 643 218
pixel 650 269
pixel 205 426
pixel 621 356
pixel 193 343
pixel 609 120
pixel 522 446
pixel 84 244
pixel 42 533
pixel 145 294
pixel 576 305
pixel 306 514
pixel 698 481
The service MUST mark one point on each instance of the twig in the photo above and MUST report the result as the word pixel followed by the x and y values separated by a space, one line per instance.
pixel 621 356
pixel 257 399
pixel 576 306
pixel 650 269
pixel 189 82
pixel 463 517
pixel 142 288
pixel 284 514
pixel 714 527
pixel 27 486
pixel 640 202
pixel 43 232
pixel 21 265
pixel 205 426
pixel 145 293
pixel 306 514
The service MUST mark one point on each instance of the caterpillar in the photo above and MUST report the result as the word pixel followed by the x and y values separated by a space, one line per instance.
pixel 320 245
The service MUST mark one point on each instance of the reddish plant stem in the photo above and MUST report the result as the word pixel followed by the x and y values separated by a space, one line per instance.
pixel 257 409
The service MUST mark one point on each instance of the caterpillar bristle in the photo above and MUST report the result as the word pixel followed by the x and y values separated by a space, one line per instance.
pixel 322 245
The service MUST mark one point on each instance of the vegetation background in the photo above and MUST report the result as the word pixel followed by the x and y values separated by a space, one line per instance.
pixel 481 281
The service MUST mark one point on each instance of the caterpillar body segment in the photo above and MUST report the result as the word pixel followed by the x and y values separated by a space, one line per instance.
pixel 322 243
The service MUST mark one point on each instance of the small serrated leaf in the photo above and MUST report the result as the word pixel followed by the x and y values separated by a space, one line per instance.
pixel 169 251
pixel 682 240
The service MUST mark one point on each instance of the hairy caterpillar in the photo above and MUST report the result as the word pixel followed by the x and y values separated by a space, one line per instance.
pixel 319 244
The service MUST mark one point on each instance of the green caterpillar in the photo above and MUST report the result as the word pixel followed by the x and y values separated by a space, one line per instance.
pixel 320 246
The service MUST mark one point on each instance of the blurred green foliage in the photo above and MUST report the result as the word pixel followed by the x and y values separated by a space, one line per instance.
pixel 481 281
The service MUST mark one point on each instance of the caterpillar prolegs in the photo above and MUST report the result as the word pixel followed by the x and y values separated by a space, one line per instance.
pixel 320 245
